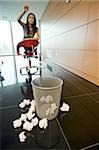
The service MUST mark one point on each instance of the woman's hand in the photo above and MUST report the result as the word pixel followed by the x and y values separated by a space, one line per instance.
pixel 26 8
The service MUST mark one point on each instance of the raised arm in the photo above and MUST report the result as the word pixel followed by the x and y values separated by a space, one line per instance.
pixel 21 15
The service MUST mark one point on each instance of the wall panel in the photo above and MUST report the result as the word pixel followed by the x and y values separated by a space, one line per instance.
pixel 71 20
pixel 92 40
pixel 74 39
pixel 70 36
pixel 94 10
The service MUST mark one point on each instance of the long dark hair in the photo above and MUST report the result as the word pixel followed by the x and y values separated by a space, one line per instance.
pixel 35 29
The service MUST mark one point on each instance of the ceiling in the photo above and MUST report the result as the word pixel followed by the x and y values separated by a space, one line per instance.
pixel 11 9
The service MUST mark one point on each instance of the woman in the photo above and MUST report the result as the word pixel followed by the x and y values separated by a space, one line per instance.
pixel 30 29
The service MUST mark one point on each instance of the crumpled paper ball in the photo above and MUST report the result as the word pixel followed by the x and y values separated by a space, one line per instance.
pixel 46 99
pixel 42 99
pixel 33 103
pixel 22 136
pixel 35 121
pixel 65 107
pixel 30 115
pixel 28 126
pixel 24 103
pixel 43 123
pixel 49 99
pixel 51 110
pixel 23 117
pixel 33 106
pixel 17 123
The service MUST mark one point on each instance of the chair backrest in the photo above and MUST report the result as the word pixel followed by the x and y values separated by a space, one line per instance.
pixel 27 43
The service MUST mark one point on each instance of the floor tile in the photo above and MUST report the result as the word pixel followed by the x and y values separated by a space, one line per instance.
pixel 95 97
pixel 13 94
pixel 81 124
pixel 70 90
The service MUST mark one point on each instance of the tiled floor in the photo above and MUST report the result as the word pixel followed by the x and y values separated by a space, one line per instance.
pixel 76 130
pixel 81 125
pixel 37 138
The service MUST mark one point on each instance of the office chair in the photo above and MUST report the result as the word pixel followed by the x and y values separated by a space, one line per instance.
pixel 29 46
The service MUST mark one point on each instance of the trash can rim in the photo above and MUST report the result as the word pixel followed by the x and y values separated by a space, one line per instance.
pixel 48 88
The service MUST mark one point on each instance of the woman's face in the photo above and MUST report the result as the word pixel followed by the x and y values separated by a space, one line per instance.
pixel 31 19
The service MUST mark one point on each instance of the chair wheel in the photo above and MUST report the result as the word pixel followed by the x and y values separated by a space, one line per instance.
pixel 36 56
pixel 20 71
pixel 1 78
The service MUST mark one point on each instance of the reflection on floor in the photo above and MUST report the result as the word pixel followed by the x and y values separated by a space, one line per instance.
pixel 76 130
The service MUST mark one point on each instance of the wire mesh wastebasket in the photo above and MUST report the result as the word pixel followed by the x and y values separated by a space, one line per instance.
pixel 47 94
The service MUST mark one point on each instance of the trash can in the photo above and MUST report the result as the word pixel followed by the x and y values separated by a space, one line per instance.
pixel 47 94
